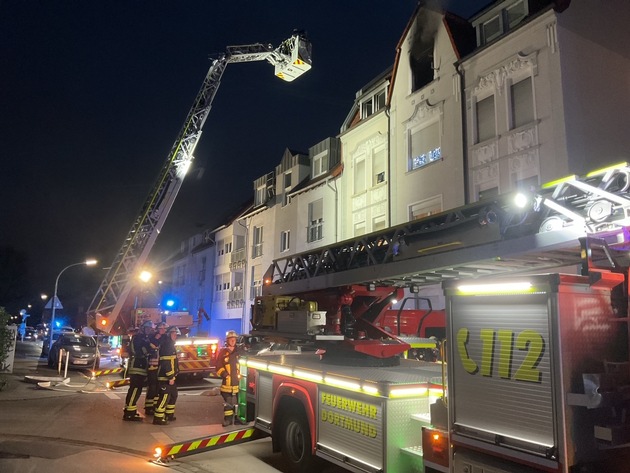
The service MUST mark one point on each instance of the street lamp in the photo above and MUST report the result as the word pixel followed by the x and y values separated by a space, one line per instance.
pixel 90 262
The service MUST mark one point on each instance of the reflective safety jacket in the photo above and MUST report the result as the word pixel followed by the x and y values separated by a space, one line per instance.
pixel 228 369
pixel 154 350
pixel 138 353
pixel 168 367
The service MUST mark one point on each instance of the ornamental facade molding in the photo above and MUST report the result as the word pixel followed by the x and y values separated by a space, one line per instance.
pixel 495 80
pixel 422 113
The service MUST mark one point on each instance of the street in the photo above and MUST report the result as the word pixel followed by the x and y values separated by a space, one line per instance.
pixel 76 426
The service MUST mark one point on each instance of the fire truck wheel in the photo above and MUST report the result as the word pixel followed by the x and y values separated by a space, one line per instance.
pixel 296 443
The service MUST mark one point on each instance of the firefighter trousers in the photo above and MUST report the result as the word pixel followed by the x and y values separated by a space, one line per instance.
pixel 152 391
pixel 167 397
pixel 229 408
pixel 136 383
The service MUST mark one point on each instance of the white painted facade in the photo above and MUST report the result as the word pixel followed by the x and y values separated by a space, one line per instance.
pixel 426 155
pixel 364 185
pixel 549 98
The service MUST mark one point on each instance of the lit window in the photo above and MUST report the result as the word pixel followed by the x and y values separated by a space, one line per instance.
pixel 378 167
pixel 424 146
pixel 260 196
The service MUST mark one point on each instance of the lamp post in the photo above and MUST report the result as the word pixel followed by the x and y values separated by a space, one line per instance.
pixel 90 262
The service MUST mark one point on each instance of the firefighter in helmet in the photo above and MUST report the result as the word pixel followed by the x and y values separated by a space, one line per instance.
pixel 228 369
pixel 137 370
pixel 168 368
pixel 155 341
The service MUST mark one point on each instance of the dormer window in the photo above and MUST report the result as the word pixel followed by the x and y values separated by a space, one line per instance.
pixel 373 103
pixel 499 20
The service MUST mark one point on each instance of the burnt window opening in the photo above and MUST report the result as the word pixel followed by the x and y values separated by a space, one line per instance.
pixel 421 65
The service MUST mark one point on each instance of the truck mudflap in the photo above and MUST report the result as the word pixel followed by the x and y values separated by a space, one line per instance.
pixel 165 453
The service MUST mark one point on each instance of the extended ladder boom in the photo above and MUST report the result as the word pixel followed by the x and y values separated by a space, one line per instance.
pixel 481 239
pixel 291 59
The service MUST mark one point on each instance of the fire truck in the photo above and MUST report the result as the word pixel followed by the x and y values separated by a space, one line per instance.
pixel 114 307
pixel 535 373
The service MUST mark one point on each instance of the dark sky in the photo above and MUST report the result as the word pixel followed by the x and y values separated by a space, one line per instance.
pixel 93 95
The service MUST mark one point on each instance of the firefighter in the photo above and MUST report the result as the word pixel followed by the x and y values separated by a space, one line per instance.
pixel 154 356
pixel 168 368
pixel 137 370
pixel 228 369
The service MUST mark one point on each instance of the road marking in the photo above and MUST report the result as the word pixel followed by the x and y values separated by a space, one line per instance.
pixel 112 395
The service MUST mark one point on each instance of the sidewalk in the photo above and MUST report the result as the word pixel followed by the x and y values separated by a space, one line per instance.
pixel 76 424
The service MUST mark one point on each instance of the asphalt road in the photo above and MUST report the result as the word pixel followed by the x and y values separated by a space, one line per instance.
pixel 76 426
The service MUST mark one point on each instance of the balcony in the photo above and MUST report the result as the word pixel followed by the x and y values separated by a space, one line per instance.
pixel 236 298
pixel 238 259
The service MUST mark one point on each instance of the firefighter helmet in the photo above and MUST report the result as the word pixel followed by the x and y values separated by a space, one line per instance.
pixel 148 324
pixel 174 329
pixel 231 334
pixel 161 325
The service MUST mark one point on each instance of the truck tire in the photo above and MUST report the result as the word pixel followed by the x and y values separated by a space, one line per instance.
pixel 296 443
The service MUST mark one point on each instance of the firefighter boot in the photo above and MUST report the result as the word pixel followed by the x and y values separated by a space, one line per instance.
pixel 228 414
pixel 171 417
pixel 132 416
pixel 160 420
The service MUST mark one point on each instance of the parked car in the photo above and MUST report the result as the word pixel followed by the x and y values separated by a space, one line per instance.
pixel 46 344
pixel 81 349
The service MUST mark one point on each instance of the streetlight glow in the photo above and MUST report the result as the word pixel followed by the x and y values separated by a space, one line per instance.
pixel 145 276
pixel 89 262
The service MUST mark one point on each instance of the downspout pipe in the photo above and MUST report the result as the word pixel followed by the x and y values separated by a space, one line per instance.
pixel 462 91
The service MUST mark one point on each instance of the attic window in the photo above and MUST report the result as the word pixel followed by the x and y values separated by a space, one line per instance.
pixel 373 103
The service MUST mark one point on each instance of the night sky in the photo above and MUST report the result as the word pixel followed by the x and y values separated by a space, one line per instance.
pixel 93 95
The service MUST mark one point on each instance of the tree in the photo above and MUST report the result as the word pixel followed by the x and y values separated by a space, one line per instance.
pixel 14 286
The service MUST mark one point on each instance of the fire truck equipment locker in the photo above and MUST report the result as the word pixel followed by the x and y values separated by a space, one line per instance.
pixel 521 351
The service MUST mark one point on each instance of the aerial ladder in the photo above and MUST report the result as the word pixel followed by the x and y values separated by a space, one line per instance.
pixel 517 233
pixel 111 308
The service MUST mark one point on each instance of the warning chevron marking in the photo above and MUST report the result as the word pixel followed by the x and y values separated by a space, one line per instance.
pixel 207 443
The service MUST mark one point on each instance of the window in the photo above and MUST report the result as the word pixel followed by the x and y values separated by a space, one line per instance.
pixel 260 197
pixel 373 103
pixel 285 240
pixel 421 63
pixel 359 175
pixel 316 220
pixel 486 127
pixel 378 167
pixel 424 146
pixel 255 283
pixel 258 242
pixel 287 188
pixel 320 164
pixel 522 103
pixel 359 228
pixel 491 29
pixel 378 223
pixel 488 193
pixel 527 184
pixel 515 13
pixel 425 208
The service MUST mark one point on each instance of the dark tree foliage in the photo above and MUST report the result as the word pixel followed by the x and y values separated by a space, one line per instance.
pixel 14 286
